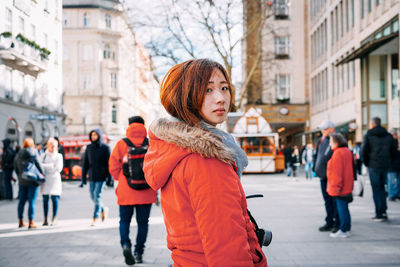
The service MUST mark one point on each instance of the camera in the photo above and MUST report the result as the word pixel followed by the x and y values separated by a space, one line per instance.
pixel 264 237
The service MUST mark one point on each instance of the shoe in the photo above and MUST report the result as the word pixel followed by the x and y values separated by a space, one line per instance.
pixel 21 223
pixel 138 258
pixel 104 214
pixel 95 221
pixel 32 225
pixel 54 221
pixel 392 199
pixel 338 234
pixel 129 260
pixel 81 185
pixel 381 218
pixel 334 229
pixel 348 233
pixel 325 228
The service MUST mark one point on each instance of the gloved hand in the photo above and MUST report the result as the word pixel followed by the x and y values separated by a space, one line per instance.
pixel 110 181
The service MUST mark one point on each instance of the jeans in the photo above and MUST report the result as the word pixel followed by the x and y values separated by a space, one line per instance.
pixel 54 199
pixel 332 217
pixel 142 219
pixel 378 181
pixel 288 169
pixel 7 181
pixel 27 193
pixel 308 169
pixel 344 214
pixel 95 189
pixel 393 184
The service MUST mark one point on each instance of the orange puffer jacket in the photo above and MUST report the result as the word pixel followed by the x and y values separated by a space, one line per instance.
pixel 340 172
pixel 136 132
pixel 202 199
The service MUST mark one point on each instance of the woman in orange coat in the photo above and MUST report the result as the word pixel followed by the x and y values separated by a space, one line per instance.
pixel 197 168
pixel 340 182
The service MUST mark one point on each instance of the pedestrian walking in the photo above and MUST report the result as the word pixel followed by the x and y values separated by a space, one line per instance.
pixel 377 151
pixel 52 163
pixel 393 176
pixel 28 190
pixel 128 198
pixel 7 164
pixel 287 153
pixel 307 160
pixel 95 163
pixel 295 161
pixel 340 182
pixel 323 154
pixel 357 157
pixel 197 167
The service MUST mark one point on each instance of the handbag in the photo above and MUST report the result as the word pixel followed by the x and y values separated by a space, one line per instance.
pixel 32 174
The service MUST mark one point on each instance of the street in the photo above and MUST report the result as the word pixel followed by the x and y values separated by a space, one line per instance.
pixel 292 209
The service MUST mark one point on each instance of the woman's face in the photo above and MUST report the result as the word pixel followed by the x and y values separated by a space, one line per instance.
pixel 50 147
pixel 332 143
pixel 217 99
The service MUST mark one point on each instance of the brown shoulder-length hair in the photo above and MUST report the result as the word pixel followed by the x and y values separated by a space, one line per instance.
pixel 184 86
pixel 28 142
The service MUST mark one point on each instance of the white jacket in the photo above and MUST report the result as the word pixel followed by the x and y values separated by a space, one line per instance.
pixel 52 164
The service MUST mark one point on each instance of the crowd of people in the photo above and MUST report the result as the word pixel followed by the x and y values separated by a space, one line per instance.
pixel 197 167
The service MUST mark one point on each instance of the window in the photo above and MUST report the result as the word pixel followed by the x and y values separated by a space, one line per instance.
pixel 21 25
pixel 369 5
pixel 86 82
pixel 8 21
pixel 85 19
pixel 282 45
pixel 347 15
pixel 113 80
pixel 7 83
pixel 45 39
pixel 341 19
pixel 282 87
pixel 332 30
pixel 87 52
pixel 354 73
pixel 55 54
pixel 337 23
pixel 352 13
pixel 65 22
pixel 114 114
pixel 107 19
pixel 377 2
pixel 106 52
pixel 281 9
pixel 362 8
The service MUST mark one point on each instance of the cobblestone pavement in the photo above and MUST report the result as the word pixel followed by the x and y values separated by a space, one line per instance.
pixel 292 209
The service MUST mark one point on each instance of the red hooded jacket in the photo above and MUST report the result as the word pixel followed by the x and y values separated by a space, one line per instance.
pixel 136 132
pixel 340 172
pixel 202 199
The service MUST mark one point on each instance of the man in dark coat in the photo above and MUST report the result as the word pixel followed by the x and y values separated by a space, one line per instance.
pixel 7 163
pixel 393 176
pixel 323 154
pixel 377 151
pixel 287 153
pixel 95 162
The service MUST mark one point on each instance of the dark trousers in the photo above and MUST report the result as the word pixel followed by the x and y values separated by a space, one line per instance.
pixel 344 214
pixel 378 181
pixel 7 181
pixel 54 200
pixel 142 219
pixel 332 216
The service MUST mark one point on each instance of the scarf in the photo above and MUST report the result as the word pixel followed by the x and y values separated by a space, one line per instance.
pixel 239 155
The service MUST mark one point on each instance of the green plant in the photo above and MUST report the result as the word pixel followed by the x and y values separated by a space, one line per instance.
pixel 6 34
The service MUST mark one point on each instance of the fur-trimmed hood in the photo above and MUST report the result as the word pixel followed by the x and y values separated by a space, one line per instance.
pixel 171 141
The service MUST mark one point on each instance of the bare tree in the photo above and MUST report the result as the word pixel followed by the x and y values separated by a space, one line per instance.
pixel 177 30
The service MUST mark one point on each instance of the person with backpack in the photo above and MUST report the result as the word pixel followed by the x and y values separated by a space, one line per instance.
pixel 7 163
pixel 95 162
pixel 133 193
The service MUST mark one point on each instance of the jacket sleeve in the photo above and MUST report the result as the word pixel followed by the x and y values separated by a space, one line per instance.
pixel 365 151
pixel 337 174
pixel 85 165
pixel 115 162
pixel 314 159
pixel 107 160
pixel 215 197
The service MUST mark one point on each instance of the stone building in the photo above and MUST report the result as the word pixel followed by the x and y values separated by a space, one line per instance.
pixel 354 64
pixel 107 71
pixel 30 70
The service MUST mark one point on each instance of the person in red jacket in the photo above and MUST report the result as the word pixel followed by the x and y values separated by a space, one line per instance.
pixel 340 182
pixel 130 199
pixel 197 167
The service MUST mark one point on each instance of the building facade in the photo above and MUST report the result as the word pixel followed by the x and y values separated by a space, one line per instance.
pixel 354 73
pixel 31 71
pixel 107 70
pixel 280 87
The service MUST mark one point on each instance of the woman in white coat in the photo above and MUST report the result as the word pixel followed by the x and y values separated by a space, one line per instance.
pixel 52 163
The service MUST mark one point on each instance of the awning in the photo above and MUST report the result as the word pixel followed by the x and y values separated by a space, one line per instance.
pixel 367 48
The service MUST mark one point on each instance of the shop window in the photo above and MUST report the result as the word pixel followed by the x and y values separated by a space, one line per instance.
pixel 257 145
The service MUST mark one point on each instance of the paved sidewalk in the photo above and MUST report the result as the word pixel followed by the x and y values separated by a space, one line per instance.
pixel 293 210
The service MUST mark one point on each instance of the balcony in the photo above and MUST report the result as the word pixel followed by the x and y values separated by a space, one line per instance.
pixel 22 54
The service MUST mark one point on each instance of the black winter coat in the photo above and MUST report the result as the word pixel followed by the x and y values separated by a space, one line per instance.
pixel 7 159
pixel 95 160
pixel 323 154
pixel 26 155
pixel 395 166
pixel 378 148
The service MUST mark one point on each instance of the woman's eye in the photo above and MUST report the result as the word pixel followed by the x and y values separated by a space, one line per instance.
pixel 208 90
pixel 225 88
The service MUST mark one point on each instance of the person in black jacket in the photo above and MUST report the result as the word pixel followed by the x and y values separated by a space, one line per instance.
pixel 377 151
pixel 323 154
pixel 7 163
pixel 95 163
pixel 393 176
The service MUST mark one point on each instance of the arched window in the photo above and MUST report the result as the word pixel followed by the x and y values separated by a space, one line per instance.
pixel 29 131
pixel 114 114
pixel 107 51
